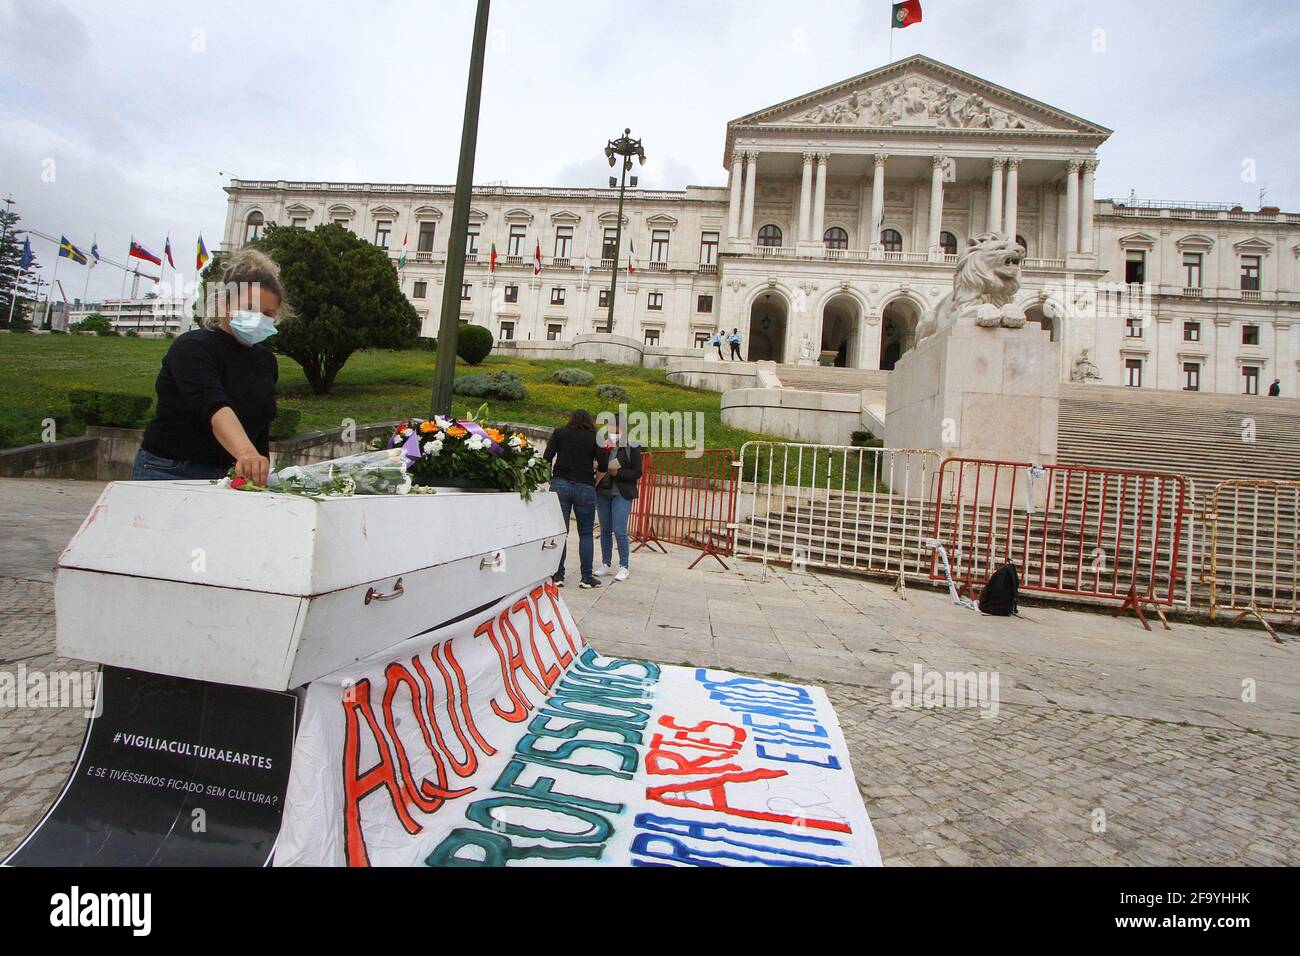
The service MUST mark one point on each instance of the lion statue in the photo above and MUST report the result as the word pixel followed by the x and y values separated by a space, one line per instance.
pixel 983 288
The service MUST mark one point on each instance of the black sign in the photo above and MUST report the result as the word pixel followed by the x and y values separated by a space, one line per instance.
pixel 173 772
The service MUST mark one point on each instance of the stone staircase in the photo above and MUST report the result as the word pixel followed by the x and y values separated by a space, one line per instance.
pixel 815 378
pixel 1197 435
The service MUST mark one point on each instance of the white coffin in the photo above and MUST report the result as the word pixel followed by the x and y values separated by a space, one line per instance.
pixel 270 591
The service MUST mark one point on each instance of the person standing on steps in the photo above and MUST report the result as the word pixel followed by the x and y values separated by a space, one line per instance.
pixel 716 342
pixel 618 471
pixel 574 454
pixel 1275 389
pixel 734 339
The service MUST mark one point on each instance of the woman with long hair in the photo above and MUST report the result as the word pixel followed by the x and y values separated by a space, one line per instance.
pixel 618 471
pixel 573 452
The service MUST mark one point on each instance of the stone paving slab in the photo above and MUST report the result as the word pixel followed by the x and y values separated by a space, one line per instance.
pixel 1111 745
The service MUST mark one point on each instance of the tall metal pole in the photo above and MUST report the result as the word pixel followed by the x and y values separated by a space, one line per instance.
pixel 454 276
pixel 618 239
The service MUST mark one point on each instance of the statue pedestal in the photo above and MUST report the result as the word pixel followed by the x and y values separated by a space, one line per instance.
pixel 969 392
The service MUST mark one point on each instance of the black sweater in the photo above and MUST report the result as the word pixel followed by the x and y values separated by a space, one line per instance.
pixel 573 453
pixel 629 469
pixel 206 370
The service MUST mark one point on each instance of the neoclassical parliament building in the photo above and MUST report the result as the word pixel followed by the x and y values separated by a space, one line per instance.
pixel 839 228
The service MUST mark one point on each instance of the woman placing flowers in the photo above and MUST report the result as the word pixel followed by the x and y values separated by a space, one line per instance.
pixel 216 389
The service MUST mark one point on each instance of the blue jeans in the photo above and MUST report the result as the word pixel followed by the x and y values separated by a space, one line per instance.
pixel 578 499
pixel 151 467
pixel 613 511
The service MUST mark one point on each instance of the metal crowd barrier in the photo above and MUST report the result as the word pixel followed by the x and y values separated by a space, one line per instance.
pixel 1254 549
pixel 837 506
pixel 688 499
pixel 1070 530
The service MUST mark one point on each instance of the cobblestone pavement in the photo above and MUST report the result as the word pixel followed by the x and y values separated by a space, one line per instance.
pixel 1110 745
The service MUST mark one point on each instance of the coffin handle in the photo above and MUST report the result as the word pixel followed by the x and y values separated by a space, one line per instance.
pixel 396 592
pixel 551 545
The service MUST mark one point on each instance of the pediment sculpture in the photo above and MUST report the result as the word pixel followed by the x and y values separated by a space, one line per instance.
pixel 914 101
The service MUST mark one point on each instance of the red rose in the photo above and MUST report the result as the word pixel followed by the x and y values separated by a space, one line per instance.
pixel 238 483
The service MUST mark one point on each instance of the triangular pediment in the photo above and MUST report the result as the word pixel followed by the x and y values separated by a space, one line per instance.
pixel 920 93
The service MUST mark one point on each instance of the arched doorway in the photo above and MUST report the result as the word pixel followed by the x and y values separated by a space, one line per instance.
pixel 1042 315
pixel 767 320
pixel 841 319
pixel 898 331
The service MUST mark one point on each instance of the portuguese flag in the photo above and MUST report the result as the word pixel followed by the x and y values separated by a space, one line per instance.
pixel 905 14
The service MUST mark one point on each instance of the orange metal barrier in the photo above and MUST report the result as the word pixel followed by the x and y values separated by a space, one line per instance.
pixel 1072 531
pixel 688 499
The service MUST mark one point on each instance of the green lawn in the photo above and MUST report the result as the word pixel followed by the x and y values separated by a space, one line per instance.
pixel 37 372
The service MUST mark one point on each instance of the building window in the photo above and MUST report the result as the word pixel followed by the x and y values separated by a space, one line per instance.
pixel 1133 326
pixel 471 240
pixel 553 332
pixel 770 236
pixel 948 243
pixel 709 249
pixel 836 238
pixel 659 245
pixel 420 290
pixel 1191 331
pixel 610 244
pixel 512 293
pixel 557 295
pixel 1250 335
pixel 652 337
pixel 1135 267
pixel 383 229
pixel 655 302
pixel 1191 376
pixel 1192 270
pixel 1133 373
pixel 563 242
pixel 344 223
pixel 299 222
pixel 892 240
pixel 1250 380
pixel 702 339
pixel 704 303
pixel 515 245
pixel 602 299
pixel 466 292
pixel 507 331
pixel 254 226
pixel 424 241
pixel 1250 273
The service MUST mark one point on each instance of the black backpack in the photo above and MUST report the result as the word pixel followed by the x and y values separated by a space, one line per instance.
pixel 1001 591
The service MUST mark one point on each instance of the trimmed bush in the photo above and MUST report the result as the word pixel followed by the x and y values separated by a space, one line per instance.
pixel 286 422
pixel 132 334
pixel 501 386
pixel 573 376
pixel 426 344
pixel 95 322
pixel 6 435
pixel 473 343
pixel 110 409
pixel 613 393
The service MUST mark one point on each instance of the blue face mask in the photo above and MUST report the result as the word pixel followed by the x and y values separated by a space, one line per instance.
pixel 251 327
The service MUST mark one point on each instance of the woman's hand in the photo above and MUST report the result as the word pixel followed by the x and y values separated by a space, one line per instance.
pixel 254 467
pixel 613 466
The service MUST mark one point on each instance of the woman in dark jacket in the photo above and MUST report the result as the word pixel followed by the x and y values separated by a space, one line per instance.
pixel 216 389
pixel 619 470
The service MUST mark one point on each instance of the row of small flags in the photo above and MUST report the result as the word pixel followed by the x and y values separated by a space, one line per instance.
pixel 537 258
pixel 137 251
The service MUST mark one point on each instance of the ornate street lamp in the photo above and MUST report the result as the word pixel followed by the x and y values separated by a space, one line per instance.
pixel 626 147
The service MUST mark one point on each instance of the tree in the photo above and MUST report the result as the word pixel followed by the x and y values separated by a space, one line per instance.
pixel 343 296
pixel 95 322
pixel 11 256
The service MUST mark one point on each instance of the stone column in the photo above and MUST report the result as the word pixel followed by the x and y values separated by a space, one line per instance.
pixel 1013 197
pixel 751 183
pixel 819 203
pixel 1072 206
pixel 877 205
pixel 1061 216
pixel 733 206
pixel 936 201
pixel 805 198
pixel 1086 207
pixel 995 195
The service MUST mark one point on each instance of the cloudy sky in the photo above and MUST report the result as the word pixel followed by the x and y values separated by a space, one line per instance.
pixel 119 117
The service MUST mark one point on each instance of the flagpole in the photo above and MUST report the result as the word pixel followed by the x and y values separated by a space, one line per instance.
pixel 85 291
pixel 53 279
